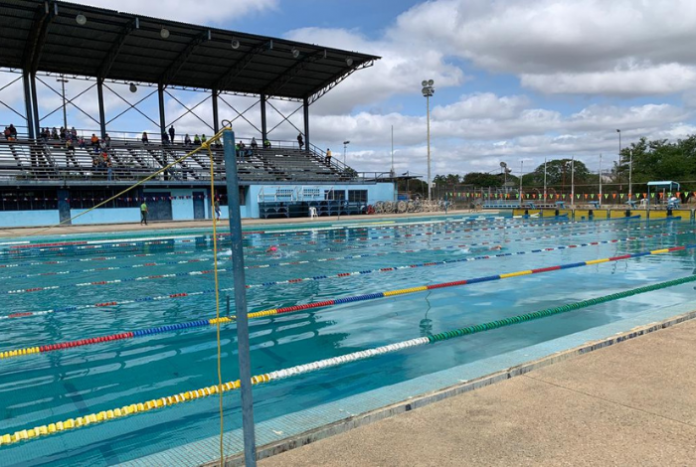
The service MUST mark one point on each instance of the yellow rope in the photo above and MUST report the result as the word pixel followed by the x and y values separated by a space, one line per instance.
pixel 217 301
pixel 205 145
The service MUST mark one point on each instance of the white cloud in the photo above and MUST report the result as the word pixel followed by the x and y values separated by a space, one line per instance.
pixel 578 46
pixel 211 12
pixel 630 81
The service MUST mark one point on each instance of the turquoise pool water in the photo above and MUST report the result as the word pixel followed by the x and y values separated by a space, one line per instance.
pixel 50 387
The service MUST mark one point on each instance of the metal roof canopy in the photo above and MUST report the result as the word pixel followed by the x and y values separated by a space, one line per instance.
pixel 46 36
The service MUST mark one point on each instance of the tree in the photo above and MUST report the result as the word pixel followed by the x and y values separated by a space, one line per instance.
pixel 483 180
pixel 559 172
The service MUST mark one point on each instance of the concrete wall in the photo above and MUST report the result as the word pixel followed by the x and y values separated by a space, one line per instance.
pixel 105 216
pixel 28 218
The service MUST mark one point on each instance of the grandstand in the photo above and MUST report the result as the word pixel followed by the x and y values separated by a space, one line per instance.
pixel 48 181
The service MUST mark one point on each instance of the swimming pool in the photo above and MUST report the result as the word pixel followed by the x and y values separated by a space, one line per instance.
pixel 73 288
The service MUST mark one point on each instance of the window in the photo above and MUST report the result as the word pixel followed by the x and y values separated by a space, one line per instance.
pixel 335 195
pixel 86 199
pixel 357 196
pixel 18 200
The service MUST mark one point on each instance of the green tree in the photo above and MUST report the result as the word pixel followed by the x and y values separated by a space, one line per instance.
pixel 483 180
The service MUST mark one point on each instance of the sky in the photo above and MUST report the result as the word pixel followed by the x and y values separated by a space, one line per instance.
pixel 515 81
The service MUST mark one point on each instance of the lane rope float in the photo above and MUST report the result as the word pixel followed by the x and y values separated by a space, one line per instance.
pixel 155 404
pixel 322 304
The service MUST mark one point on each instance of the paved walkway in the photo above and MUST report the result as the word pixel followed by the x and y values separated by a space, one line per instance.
pixel 629 404
pixel 26 232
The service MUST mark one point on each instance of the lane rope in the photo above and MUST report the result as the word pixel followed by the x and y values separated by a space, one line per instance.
pixel 183 397
pixel 322 304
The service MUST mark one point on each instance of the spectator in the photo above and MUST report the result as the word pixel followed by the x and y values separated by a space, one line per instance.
pixel 217 209
pixel 70 152
pixel 300 141
pixel 144 138
pixel 187 140
pixel 266 144
pixel 254 144
pixel 54 133
pixel 107 141
pixel 8 133
pixel 94 141
pixel 165 138
pixel 62 133
pixel 109 170
pixel 197 140
pixel 13 132
pixel 46 133
pixel 172 132
pixel 328 156
pixel 73 132
pixel 81 142
pixel 203 139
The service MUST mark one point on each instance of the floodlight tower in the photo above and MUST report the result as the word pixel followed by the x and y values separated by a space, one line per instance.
pixel 428 92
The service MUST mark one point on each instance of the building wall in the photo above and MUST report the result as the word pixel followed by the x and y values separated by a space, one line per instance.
pixel 28 218
pixel 183 209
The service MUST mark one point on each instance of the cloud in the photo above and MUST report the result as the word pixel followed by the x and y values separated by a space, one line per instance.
pixel 630 81
pixel 400 71
pixel 579 46
pixel 211 12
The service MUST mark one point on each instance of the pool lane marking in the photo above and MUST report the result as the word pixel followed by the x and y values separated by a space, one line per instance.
pixel 55 247
pixel 293 263
pixel 300 280
pixel 155 404
pixel 320 304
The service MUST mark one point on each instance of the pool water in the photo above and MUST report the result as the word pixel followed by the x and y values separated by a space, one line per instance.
pixel 54 386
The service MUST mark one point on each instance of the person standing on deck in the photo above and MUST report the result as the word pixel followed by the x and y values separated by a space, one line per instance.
pixel 300 141
pixel 143 213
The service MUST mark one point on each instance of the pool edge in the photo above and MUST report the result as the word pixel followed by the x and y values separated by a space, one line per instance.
pixel 422 400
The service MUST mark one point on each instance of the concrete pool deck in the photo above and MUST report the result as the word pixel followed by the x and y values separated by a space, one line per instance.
pixel 27 232
pixel 627 404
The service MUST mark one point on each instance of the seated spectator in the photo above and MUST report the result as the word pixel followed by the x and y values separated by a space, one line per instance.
pixel 46 134
pixel 187 140
pixel 197 140
pixel 95 141
pixel 70 153
pixel 13 132
pixel 62 133
pixel 203 139
pixel 266 144
pixel 54 133
pixel 107 141
pixel 144 138
pixel 254 144
pixel 165 138
pixel 81 142
pixel 8 133
pixel 73 132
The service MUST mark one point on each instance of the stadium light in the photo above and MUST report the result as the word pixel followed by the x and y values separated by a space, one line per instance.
pixel 132 87
pixel 164 33
pixel 345 147
pixel 235 44
pixel 295 52
pixel 81 19
pixel 428 92
pixel 349 61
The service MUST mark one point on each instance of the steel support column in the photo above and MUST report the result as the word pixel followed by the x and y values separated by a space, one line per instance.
pixel 35 104
pixel 216 116
pixel 27 103
pixel 240 300
pixel 102 112
pixel 160 99
pixel 305 109
pixel 264 124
